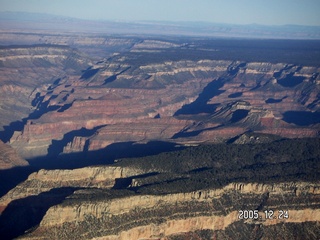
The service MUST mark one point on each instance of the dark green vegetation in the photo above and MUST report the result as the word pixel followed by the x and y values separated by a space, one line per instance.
pixel 213 166
pixel 307 230
pixel 110 224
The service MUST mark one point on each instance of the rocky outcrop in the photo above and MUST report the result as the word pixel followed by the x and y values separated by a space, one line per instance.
pixel 9 157
pixel 136 95
pixel 45 180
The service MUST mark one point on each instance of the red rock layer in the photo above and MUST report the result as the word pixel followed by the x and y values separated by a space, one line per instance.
pixel 125 108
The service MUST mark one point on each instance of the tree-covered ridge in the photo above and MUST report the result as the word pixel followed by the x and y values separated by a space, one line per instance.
pixel 207 166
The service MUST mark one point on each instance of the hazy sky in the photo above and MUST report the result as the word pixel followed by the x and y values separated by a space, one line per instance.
pixel 268 12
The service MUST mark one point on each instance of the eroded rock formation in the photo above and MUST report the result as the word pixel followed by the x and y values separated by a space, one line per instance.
pixel 182 101
pixel 27 70
pixel 9 157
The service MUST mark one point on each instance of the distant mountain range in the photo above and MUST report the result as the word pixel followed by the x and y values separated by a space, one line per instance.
pixel 35 22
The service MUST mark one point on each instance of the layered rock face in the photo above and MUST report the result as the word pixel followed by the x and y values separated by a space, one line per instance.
pixel 27 70
pixel 165 216
pixel 45 180
pixel 127 99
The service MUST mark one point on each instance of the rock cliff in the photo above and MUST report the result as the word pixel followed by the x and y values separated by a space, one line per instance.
pixel 9 157
pixel 150 216
pixel 27 70
pixel 45 180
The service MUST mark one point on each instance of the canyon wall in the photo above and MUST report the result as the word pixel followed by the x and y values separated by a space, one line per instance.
pixel 149 90
pixel 27 70
pixel 180 101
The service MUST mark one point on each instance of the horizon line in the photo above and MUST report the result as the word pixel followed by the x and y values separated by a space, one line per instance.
pixel 162 21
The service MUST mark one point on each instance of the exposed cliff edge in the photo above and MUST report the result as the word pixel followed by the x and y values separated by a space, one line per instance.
pixel 147 216
pixel 45 180
pixel 197 190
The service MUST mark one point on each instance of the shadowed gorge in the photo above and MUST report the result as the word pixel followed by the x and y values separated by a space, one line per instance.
pixel 302 118
pixel 272 100
pixel 23 214
pixel 235 95
pixel 200 104
pixel 238 115
pixel 89 73
pixel 290 81
pixel 57 145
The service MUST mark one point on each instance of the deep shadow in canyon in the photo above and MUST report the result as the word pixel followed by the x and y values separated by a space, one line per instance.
pixel 89 73
pixel 8 131
pixel 290 80
pixel 273 100
pixel 12 177
pixel 57 146
pixel 42 108
pixel 302 118
pixel 200 104
pixel 103 156
pixel 239 115
pixel 25 213
pixel 187 133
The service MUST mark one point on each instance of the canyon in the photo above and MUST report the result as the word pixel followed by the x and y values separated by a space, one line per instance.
pixel 135 99
pixel 139 137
